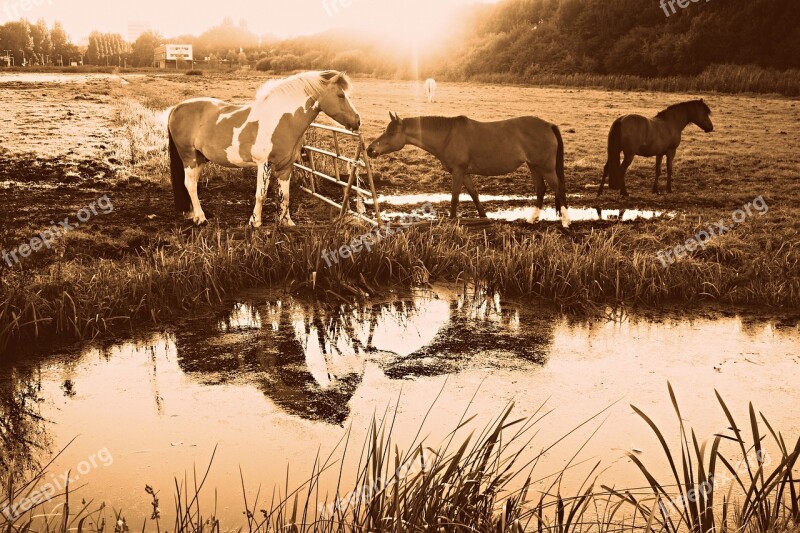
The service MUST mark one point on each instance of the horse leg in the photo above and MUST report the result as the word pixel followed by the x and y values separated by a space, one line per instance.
pixel 603 180
pixel 284 180
pixel 670 159
pixel 561 196
pixel 458 184
pixel 192 177
pixel 659 160
pixel 261 193
pixel 626 163
pixel 538 179
pixel 473 192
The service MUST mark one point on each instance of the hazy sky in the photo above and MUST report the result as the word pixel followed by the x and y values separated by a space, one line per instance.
pixel 415 18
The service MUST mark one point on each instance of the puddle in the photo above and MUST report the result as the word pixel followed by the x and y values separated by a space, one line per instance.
pixel 8 184
pixel 522 209
pixel 580 214
pixel 273 381
pixel 420 199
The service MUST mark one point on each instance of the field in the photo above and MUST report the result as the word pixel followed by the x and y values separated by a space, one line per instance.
pixel 73 140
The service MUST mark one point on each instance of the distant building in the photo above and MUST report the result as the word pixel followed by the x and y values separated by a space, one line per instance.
pixel 168 55
pixel 137 28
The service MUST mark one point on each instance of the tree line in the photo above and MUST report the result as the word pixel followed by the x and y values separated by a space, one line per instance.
pixel 516 38
pixel 36 44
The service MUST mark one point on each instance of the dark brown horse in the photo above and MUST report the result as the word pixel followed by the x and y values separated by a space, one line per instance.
pixel 466 146
pixel 651 137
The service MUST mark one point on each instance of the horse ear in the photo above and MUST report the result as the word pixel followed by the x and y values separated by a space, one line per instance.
pixel 393 116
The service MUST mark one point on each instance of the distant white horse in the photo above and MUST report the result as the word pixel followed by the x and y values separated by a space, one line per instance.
pixel 430 90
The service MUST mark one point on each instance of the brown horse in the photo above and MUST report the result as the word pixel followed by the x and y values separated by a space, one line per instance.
pixel 466 146
pixel 651 137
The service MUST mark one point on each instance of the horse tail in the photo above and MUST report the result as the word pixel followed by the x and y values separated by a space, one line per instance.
pixel 613 166
pixel 183 202
pixel 560 158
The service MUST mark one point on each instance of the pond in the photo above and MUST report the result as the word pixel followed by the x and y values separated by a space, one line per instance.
pixel 272 381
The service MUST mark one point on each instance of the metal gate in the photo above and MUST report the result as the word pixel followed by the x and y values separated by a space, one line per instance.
pixel 312 164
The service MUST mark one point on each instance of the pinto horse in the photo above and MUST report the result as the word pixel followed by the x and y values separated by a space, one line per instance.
pixel 266 134
pixel 651 137
pixel 466 146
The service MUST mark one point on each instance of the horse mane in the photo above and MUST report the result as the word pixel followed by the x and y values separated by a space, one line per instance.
pixel 437 123
pixel 683 105
pixel 312 83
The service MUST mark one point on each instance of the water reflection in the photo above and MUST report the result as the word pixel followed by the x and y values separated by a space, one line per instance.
pixel 274 380
pixel 23 432
pixel 581 214
pixel 309 357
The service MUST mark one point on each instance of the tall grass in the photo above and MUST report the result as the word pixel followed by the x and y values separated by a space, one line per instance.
pixel 768 494
pixel 478 481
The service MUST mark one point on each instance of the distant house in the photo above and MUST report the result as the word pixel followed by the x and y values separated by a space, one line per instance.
pixel 169 55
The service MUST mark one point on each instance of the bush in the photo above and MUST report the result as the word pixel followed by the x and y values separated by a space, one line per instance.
pixel 264 65
pixel 194 73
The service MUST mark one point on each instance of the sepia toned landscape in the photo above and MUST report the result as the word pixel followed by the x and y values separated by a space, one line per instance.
pixel 631 369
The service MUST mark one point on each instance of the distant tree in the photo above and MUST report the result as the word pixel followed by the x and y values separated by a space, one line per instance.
pixel 143 49
pixel 105 48
pixel 62 46
pixel 227 37
pixel 17 37
pixel 42 43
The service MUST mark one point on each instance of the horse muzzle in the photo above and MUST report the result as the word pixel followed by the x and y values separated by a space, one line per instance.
pixel 354 126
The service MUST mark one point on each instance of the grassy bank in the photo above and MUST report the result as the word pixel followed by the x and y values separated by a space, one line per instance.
pixel 477 481
pixel 726 79
pixel 757 264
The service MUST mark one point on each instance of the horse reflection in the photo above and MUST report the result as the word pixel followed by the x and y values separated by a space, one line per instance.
pixel 480 329
pixel 309 358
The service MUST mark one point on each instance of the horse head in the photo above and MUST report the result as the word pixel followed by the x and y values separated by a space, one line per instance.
pixel 392 140
pixel 701 116
pixel 335 102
